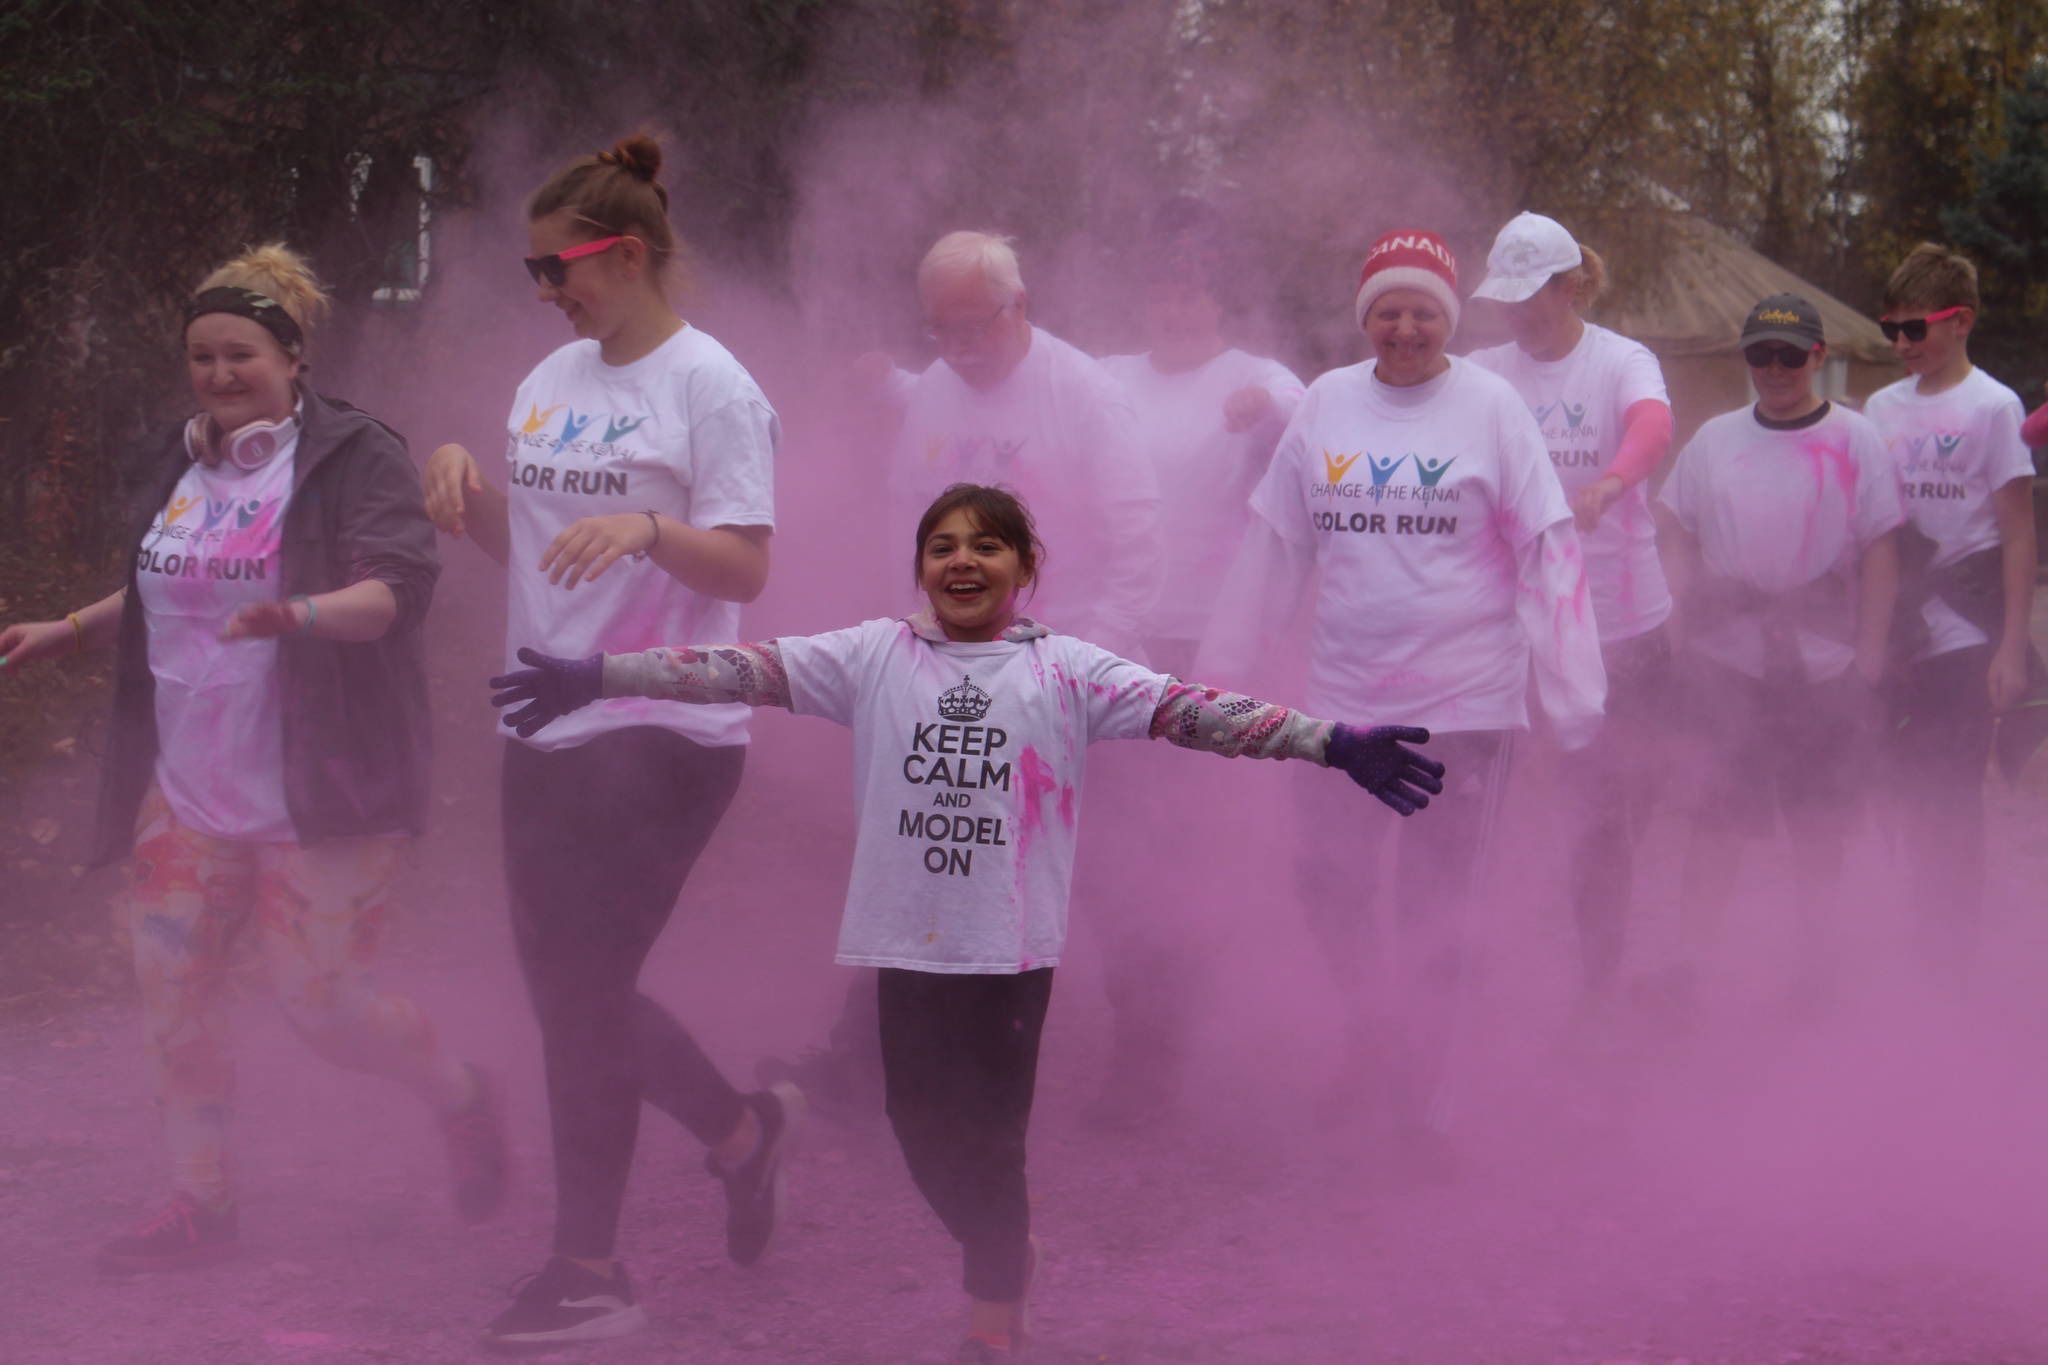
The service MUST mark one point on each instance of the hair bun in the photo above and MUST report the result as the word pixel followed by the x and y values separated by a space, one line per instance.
pixel 639 154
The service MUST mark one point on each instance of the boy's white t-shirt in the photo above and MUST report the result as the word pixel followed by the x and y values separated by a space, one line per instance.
pixel 1954 449
pixel 1417 503
pixel 211 550
pixel 968 762
pixel 683 431
pixel 1778 509
pixel 1060 432
pixel 1579 402
pixel 1206 471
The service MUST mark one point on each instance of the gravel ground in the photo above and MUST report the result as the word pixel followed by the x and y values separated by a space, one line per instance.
pixel 1860 1184
pixel 1863 1189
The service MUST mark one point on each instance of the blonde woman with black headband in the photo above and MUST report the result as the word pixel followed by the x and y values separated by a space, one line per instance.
pixel 267 752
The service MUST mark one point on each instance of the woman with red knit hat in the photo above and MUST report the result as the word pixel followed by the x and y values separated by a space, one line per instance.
pixel 1414 490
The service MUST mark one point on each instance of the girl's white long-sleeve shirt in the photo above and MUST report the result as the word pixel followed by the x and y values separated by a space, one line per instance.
pixel 969 762
pixel 1441 547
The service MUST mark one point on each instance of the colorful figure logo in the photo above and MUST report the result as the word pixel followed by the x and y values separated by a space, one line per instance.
pixel 1430 472
pixel 1382 470
pixel 1335 468
pixel 616 427
pixel 572 427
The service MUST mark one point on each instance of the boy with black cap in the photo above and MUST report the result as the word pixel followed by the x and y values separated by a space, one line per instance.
pixel 1781 537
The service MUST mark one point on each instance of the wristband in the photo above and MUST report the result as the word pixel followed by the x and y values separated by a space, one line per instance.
pixel 655 522
pixel 305 626
pixel 77 633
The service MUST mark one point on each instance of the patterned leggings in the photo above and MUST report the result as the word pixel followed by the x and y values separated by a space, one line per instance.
pixel 320 912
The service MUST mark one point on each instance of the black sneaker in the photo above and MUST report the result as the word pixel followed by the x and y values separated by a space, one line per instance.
pixel 477 1163
pixel 564 1304
pixel 184 1233
pixel 753 1189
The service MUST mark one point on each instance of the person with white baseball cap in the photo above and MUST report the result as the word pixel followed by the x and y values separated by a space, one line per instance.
pixel 1414 490
pixel 1606 419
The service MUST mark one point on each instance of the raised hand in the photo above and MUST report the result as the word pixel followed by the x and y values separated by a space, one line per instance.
pixel 590 545
pixel 550 687
pixel 448 480
pixel 1246 408
pixel 1380 761
pixel 263 621
pixel 1591 502
pixel 29 640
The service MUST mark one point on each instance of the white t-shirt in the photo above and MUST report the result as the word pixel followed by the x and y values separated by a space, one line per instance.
pixel 1206 471
pixel 1060 432
pixel 968 762
pixel 684 431
pixel 1579 402
pixel 1954 450
pixel 1416 502
pixel 1779 509
pixel 213 549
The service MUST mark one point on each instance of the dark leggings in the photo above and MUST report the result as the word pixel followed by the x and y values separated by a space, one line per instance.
pixel 960 1061
pixel 1443 854
pixel 1941 749
pixel 1608 787
pixel 598 841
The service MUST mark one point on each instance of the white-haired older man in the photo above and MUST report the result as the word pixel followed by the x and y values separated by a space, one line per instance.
pixel 1009 403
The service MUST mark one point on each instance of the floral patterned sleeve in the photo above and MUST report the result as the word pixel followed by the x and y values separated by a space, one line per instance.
pixel 1237 726
pixel 750 674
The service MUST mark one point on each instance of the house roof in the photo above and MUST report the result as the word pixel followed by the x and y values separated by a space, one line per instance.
pixel 1696 305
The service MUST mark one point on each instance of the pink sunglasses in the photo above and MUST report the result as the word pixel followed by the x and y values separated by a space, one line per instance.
pixel 554 267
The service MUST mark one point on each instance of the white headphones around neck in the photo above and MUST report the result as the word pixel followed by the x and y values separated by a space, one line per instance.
pixel 246 447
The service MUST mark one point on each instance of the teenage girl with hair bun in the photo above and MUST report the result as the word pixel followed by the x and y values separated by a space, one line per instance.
pixel 637 509
pixel 266 758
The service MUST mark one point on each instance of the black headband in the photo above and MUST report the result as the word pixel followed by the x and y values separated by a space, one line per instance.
pixel 247 303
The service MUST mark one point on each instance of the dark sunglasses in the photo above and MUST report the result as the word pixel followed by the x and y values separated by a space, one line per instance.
pixel 554 267
pixel 1763 355
pixel 1915 329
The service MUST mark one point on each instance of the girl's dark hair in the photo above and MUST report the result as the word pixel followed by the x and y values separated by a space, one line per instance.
pixel 614 193
pixel 994 511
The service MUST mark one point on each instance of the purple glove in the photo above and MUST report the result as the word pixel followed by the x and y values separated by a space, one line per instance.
pixel 1380 761
pixel 551 688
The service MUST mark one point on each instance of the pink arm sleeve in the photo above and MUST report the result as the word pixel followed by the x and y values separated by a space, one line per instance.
pixel 1237 726
pixel 2034 431
pixel 1645 436
pixel 750 674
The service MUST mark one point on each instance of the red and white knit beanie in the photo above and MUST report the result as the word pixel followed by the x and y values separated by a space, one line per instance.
pixel 1409 260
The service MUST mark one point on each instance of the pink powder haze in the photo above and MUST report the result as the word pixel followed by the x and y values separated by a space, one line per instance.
pixel 1764 1170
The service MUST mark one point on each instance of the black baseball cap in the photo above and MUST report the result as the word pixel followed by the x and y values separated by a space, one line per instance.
pixel 1783 317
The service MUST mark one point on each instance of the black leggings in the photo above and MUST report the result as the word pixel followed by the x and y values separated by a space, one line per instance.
pixel 960 1059
pixel 1941 751
pixel 1608 787
pixel 598 841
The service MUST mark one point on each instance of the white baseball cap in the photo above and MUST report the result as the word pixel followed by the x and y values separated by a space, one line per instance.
pixel 1529 250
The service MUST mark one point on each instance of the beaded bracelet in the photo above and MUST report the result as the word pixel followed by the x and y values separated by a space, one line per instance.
pixel 305 626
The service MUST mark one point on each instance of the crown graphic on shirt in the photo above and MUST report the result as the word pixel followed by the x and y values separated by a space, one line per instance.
pixel 964 702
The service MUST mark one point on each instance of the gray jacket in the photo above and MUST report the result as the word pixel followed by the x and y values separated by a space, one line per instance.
pixel 356 744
